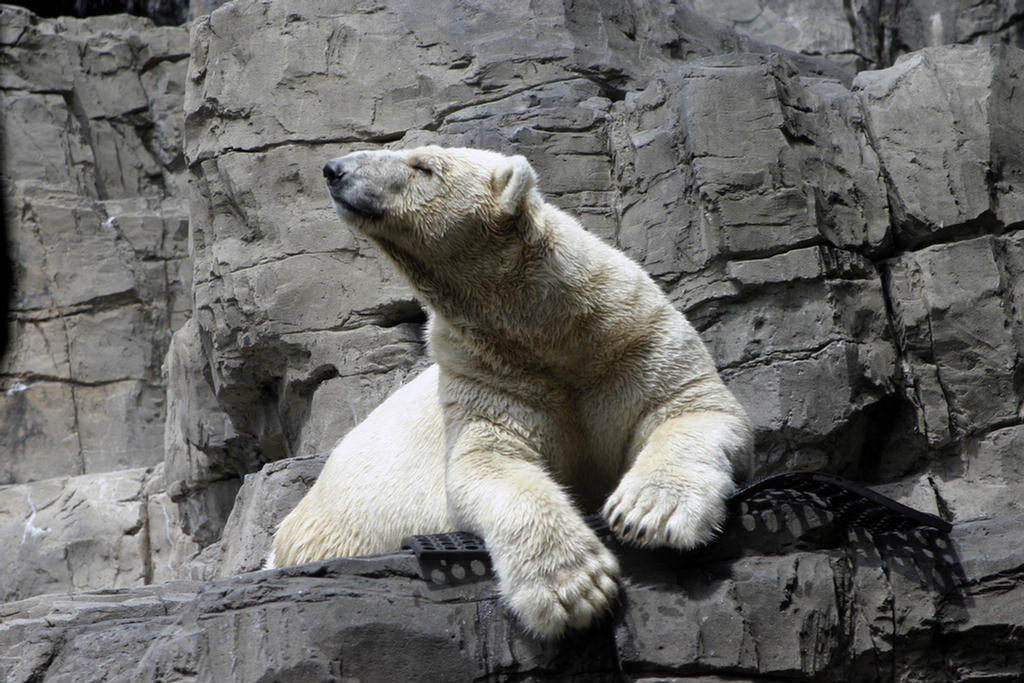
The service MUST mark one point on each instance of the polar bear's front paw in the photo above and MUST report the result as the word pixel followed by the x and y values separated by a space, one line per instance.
pixel 669 513
pixel 572 592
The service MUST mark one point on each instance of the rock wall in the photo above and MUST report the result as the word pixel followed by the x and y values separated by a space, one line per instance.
pixel 98 229
pixel 193 326
pixel 274 366
pixel 842 243
pixel 869 34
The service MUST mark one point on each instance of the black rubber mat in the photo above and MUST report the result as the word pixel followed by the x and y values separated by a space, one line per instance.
pixel 850 504
pixel 457 546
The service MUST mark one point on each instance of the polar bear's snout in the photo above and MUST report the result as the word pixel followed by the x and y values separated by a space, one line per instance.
pixel 334 171
pixel 352 193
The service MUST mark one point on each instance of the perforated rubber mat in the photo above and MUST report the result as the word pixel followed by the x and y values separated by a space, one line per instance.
pixel 457 546
pixel 850 504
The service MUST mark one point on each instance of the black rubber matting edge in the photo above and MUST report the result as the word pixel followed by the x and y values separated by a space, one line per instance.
pixel 851 505
pixel 457 546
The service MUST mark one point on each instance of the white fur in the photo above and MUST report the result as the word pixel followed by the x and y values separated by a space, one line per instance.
pixel 565 381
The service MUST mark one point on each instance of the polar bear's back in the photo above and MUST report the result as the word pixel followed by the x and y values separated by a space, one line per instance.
pixel 399 447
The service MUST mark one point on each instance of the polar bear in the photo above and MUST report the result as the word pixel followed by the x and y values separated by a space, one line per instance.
pixel 564 382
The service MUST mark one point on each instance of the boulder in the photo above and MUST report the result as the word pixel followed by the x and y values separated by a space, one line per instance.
pixel 262 502
pixel 958 383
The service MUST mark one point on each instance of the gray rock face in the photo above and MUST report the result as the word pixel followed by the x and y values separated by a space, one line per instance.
pixel 92 174
pixel 290 367
pixel 795 269
pixel 862 34
pixel 849 247
pixel 976 128
pixel 110 529
pixel 772 263
pixel 92 180
pixel 262 502
pixel 64 553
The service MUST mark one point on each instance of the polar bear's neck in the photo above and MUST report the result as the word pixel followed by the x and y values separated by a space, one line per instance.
pixel 487 289
pixel 555 290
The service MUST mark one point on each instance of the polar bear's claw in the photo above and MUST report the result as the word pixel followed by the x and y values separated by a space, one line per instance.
pixel 574 596
pixel 654 515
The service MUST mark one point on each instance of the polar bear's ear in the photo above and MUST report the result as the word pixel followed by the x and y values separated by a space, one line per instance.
pixel 512 182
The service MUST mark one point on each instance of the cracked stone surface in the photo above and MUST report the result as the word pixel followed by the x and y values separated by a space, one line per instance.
pixel 92 180
pixel 193 327
pixel 851 608
pixel 69 534
pixel 870 34
pixel 98 227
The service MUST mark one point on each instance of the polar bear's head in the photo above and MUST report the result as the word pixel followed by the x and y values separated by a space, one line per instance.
pixel 430 200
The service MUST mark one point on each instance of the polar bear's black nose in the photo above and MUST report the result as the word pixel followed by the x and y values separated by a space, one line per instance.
pixel 334 170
